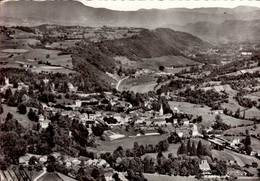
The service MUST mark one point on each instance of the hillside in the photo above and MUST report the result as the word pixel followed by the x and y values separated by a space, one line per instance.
pixel 99 56
pixel 147 44
pixel 228 31
pixel 76 13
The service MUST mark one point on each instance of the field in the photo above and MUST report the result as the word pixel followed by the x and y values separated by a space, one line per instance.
pixel 230 155
pixel 128 142
pixel 238 130
pixel 23 119
pixel 141 84
pixel 173 148
pixel 232 105
pixel 154 63
pixel 253 113
pixel 166 61
pixel 205 112
pixel 157 177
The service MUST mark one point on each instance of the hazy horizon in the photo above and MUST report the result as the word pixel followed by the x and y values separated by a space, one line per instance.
pixel 130 5
pixel 167 4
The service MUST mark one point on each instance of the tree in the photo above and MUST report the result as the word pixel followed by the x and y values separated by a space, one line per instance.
pixel 33 160
pixel 182 149
pixel 33 116
pixel 38 167
pixel 161 68
pixel 200 149
pixel 247 141
pixel 22 109
pixel 237 114
pixel 164 145
pixel 188 147
pixel 97 174
pixel 50 167
pixel 193 149
pixel 8 116
pixel 1 107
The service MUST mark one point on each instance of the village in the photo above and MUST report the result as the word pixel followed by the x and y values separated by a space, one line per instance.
pixel 94 103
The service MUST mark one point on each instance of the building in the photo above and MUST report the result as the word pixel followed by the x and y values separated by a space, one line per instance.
pixel 44 123
pixel 204 167
pixel 6 86
pixel 161 111
pixel 235 141
pixel 72 88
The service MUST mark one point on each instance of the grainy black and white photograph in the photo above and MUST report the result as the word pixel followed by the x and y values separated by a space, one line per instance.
pixel 129 90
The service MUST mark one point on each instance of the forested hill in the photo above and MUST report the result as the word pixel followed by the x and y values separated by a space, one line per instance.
pixel 147 44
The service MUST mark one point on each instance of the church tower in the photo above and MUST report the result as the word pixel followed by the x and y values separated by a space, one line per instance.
pixel 161 110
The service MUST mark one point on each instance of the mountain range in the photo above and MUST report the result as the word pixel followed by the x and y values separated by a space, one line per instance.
pixel 216 25
pixel 74 12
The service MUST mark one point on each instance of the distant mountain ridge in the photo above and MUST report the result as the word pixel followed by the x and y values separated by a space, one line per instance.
pixel 228 31
pixel 76 13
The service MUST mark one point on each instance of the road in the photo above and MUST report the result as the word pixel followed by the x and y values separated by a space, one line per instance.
pixel 119 82
pixel 39 176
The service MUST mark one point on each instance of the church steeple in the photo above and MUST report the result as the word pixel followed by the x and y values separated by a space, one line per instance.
pixel 161 110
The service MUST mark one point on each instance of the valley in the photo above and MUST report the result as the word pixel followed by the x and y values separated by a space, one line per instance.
pixel 118 97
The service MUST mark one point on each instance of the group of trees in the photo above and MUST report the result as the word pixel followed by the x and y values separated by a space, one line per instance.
pixel 187 162
pixel 210 98
pixel 219 124
pixel 13 145
pixel 191 149
pixel 173 86
pixel 245 102
pixel 247 144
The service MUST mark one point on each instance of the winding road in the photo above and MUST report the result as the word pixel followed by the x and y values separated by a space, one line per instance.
pixel 119 82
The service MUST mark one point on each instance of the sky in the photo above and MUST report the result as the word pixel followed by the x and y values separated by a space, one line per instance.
pixel 126 5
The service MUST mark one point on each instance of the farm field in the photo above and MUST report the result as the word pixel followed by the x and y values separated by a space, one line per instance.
pixel 166 61
pixel 127 142
pixel 141 84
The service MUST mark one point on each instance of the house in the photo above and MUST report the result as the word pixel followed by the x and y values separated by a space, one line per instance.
pixel 6 86
pixel 45 81
pixel 235 141
pixel 24 159
pixel 204 167
pixel 43 159
pixel 186 122
pixel 159 122
pixel 72 88
pixel 44 123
